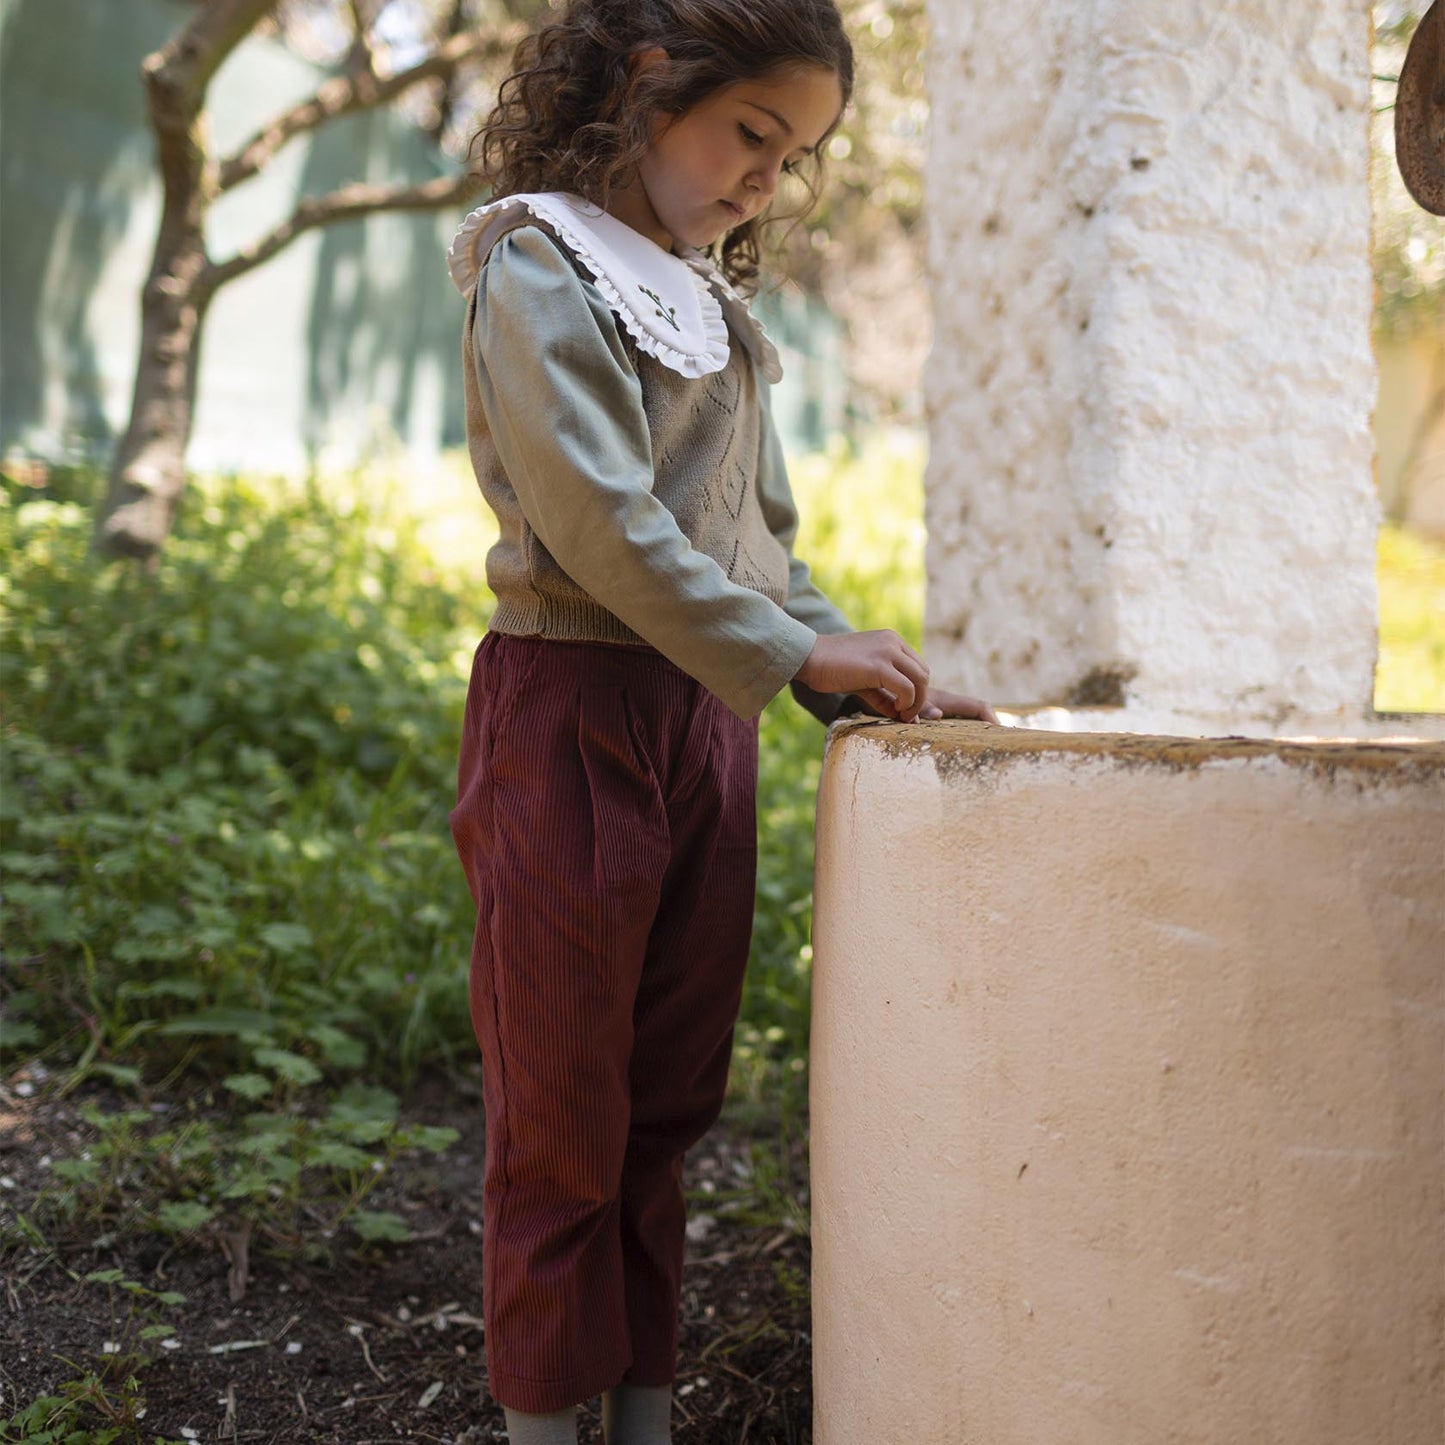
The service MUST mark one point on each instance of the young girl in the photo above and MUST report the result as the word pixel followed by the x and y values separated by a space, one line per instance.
pixel 648 607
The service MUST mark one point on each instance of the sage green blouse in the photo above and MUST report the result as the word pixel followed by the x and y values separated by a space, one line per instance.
pixel 635 504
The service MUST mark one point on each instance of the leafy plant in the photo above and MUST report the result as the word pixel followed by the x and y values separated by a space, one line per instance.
pixel 862 533
pixel 223 792
pixel 225 785
pixel 223 832
pixel 102 1402
pixel 296 1176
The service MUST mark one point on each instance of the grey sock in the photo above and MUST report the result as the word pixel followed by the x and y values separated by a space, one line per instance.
pixel 637 1415
pixel 556 1429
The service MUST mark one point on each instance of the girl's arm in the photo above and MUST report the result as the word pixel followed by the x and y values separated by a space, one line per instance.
pixel 564 408
pixel 847 671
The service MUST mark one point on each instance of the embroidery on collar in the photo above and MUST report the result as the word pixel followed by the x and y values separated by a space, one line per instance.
pixel 668 313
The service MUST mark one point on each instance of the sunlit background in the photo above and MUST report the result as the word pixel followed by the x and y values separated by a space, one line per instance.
pixel 229 885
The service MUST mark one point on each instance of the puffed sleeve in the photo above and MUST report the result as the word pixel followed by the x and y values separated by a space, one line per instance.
pixel 806 602
pixel 564 405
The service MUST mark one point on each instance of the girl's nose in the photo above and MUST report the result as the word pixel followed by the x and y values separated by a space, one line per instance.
pixel 764 180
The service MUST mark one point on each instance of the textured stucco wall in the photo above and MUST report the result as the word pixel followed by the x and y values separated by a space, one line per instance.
pixel 1128 1090
pixel 1151 382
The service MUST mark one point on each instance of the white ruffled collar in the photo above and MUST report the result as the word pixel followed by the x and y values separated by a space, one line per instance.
pixel 677 308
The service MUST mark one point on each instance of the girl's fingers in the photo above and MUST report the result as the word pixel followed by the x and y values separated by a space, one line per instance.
pixel 904 691
pixel 912 668
pixel 880 700
pixel 882 668
pixel 973 707
pixel 899 687
pixel 952 704
pixel 882 659
pixel 940 705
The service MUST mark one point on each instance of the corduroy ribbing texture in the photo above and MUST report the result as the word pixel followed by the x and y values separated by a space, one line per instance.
pixel 606 823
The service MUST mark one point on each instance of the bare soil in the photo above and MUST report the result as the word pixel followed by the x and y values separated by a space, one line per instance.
pixel 380 1343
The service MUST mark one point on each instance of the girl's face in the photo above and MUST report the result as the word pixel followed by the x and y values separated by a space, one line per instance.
pixel 717 165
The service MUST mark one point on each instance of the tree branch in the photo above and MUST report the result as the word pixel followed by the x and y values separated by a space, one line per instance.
pixel 346 94
pixel 176 77
pixel 456 23
pixel 361 61
pixel 185 64
pixel 347 204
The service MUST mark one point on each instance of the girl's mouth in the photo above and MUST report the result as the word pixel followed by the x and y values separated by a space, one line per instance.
pixel 736 212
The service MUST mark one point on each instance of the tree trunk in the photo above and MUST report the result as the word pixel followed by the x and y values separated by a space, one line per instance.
pixel 148 474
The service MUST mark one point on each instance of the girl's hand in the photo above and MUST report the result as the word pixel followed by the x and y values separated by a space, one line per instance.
pixel 955 704
pixel 879 667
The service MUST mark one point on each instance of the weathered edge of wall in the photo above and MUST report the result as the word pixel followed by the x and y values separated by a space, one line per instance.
pixel 1127 1097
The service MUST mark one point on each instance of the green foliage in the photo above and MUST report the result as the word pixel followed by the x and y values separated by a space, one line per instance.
pixel 297 1175
pixel 102 1401
pixel 1410 676
pixel 225 787
pixel 223 799
pixel 1408 250
pixel 862 533
pixel 224 792
pixel 381 1225
pixel 873 164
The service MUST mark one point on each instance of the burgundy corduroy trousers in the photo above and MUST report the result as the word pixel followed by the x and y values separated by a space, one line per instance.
pixel 605 819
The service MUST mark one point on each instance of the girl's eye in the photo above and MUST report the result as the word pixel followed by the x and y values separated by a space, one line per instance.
pixel 751 136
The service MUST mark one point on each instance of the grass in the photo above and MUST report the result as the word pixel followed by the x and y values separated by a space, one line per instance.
pixel 224 790
pixel 862 534
pixel 1410 676
pixel 230 886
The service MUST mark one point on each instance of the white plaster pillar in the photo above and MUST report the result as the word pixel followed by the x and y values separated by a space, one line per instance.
pixel 1151 386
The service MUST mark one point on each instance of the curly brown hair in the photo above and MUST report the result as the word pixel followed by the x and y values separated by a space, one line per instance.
pixel 574 115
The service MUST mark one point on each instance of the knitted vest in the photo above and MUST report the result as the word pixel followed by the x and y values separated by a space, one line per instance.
pixel 706 435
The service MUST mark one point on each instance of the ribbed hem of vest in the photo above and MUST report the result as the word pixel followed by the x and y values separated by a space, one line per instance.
pixel 562 619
